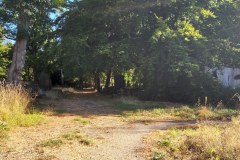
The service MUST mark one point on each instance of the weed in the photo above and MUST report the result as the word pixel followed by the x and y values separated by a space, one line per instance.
pixel 82 120
pixel 165 142
pixel 52 143
pixel 158 156
pixel 67 138
pixel 3 128
pixel 72 135
pixel 207 142
pixel 75 135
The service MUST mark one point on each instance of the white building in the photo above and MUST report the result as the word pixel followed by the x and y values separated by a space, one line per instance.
pixel 228 76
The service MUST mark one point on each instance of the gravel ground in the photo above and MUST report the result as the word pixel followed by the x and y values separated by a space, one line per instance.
pixel 112 138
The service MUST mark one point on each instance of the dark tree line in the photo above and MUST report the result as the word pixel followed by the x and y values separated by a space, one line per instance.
pixel 160 47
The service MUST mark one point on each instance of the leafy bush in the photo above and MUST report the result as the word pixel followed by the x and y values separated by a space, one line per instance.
pixel 187 89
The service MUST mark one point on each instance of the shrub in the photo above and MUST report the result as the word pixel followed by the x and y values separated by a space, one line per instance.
pixel 186 89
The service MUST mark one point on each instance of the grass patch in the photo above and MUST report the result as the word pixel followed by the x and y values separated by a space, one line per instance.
pixel 159 111
pixel 68 137
pixel 75 135
pixel 3 130
pixel 52 143
pixel 26 120
pixel 213 142
pixel 82 120
pixel 14 108
pixel 134 107
pixel 60 111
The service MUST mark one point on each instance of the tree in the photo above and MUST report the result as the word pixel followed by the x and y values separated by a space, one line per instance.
pixel 4 56
pixel 22 13
pixel 188 36
pixel 168 43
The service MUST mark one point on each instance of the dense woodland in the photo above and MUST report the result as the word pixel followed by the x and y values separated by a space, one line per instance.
pixel 160 47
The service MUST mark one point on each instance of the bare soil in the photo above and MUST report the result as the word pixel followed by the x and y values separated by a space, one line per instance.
pixel 113 138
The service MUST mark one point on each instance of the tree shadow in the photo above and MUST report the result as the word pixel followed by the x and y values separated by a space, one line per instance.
pixel 88 103
pixel 85 102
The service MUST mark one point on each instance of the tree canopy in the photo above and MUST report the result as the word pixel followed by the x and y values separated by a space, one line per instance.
pixel 161 47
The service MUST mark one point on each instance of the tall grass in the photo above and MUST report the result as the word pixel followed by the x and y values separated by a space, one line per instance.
pixel 149 111
pixel 215 142
pixel 14 106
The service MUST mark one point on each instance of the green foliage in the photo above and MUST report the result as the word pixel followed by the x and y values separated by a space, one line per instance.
pixel 161 48
pixel 31 21
pixel 4 59
pixel 183 44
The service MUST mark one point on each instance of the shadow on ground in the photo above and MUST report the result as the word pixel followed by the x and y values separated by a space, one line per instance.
pixel 78 102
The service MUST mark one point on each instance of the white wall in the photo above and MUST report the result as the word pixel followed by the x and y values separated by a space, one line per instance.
pixel 226 76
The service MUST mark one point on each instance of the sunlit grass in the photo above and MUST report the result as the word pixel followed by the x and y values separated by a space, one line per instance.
pixel 52 143
pixel 82 120
pixel 81 138
pixel 67 138
pixel 159 111
pixel 219 141
pixel 14 108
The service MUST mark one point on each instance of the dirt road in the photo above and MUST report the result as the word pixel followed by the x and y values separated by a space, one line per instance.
pixel 113 139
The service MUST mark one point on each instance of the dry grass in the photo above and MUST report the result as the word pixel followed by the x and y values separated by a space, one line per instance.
pixel 81 138
pixel 82 120
pixel 151 111
pixel 213 142
pixel 13 101
pixel 14 104
pixel 52 143
pixel 66 138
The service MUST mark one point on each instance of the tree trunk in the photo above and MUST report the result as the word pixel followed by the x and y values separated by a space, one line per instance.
pixel 19 54
pixel 15 70
pixel 98 82
pixel 109 74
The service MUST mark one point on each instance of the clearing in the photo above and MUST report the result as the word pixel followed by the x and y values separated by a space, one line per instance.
pixel 81 125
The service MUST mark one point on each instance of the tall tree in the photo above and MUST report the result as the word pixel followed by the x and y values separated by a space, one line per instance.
pixel 21 13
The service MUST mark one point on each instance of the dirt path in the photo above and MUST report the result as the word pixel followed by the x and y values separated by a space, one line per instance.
pixel 113 139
